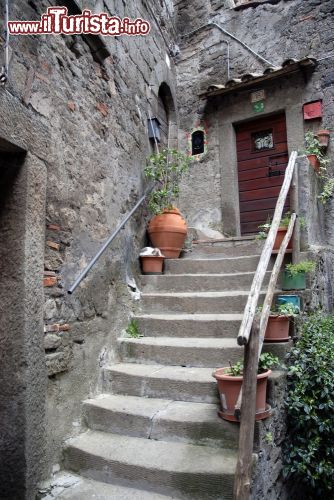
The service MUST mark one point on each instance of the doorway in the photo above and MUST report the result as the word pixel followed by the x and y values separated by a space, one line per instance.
pixel 262 156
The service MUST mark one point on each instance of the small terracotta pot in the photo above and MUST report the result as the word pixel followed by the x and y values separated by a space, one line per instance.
pixel 323 137
pixel 168 231
pixel 277 329
pixel 152 264
pixel 229 389
pixel 314 162
pixel 281 232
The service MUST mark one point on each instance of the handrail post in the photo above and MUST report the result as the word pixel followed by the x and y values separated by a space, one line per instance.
pixel 295 208
pixel 243 473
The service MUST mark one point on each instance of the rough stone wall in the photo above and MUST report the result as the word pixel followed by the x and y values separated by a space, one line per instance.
pixel 276 31
pixel 96 110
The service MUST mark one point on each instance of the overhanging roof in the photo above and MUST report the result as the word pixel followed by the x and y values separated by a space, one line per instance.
pixel 250 80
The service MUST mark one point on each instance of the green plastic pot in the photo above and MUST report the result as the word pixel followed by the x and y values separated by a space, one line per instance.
pixel 296 282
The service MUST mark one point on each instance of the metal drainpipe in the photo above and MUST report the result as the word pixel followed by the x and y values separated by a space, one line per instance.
pixel 216 25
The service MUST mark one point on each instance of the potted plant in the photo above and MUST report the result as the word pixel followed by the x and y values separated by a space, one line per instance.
pixel 294 276
pixel 286 300
pixel 229 381
pixel 314 152
pixel 279 323
pixel 167 229
pixel 282 230
pixel 323 136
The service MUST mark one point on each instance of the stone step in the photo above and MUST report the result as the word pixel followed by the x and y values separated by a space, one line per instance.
pixel 196 302
pixel 180 469
pixel 189 325
pixel 190 352
pixel 160 419
pixel 199 282
pixel 87 489
pixel 214 265
pixel 229 247
pixel 184 351
pixel 158 381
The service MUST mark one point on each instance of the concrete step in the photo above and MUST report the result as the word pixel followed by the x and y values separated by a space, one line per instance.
pixel 160 419
pixel 184 351
pixel 196 302
pixel 189 325
pixel 193 352
pixel 157 381
pixel 213 265
pixel 87 489
pixel 185 470
pixel 229 247
pixel 199 282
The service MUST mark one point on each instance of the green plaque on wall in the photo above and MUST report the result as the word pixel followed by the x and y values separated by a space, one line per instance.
pixel 258 107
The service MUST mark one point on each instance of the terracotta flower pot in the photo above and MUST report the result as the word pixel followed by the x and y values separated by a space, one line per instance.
pixel 152 264
pixel 277 329
pixel 314 162
pixel 229 389
pixel 323 137
pixel 168 231
pixel 281 232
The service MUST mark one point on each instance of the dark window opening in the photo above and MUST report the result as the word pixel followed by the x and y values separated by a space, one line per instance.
pixel 197 142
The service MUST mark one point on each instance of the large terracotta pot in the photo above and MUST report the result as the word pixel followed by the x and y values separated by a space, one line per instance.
pixel 281 232
pixel 229 389
pixel 277 329
pixel 168 231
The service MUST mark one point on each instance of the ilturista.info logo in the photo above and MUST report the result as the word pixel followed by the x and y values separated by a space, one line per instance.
pixel 56 21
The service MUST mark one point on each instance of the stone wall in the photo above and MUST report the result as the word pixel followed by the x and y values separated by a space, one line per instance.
pixel 93 96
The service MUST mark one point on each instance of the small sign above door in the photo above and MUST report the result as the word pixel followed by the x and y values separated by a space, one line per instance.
pixel 257 96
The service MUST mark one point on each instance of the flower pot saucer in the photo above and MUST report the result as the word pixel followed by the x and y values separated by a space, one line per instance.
pixel 274 341
pixel 259 416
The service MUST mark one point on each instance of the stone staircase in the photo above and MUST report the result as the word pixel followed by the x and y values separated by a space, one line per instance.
pixel 154 432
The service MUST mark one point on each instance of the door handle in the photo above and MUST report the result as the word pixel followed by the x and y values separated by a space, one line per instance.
pixel 274 173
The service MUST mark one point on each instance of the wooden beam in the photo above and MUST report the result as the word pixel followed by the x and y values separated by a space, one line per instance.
pixel 295 208
pixel 250 309
pixel 243 475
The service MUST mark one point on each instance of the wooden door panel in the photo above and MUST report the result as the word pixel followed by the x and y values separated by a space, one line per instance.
pixel 262 156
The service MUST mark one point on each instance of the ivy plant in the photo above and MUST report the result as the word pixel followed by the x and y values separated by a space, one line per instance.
pixel 309 453
pixel 266 362
pixel 166 170
pixel 305 266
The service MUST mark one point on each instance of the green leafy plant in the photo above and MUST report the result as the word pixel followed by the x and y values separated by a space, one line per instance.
pixel 133 329
pixel 305 266
pixel 166 169
pixel 266 362
pixel 313 147
pixel 327 190
pixel 309 454
pixel 287 309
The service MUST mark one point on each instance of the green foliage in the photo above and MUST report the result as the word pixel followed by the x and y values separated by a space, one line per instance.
pixel 133 329
pixel 305 266
pixel 285 221
pixel 313 147
pixel 287 309
pixel 166 169
pixel 309 453
pixel 266 362
pixel 327 190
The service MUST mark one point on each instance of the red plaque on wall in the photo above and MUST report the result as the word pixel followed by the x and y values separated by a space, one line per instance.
pixel 312 110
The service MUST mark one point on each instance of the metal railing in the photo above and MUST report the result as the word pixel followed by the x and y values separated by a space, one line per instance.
pixel 253 326
pixel 104 247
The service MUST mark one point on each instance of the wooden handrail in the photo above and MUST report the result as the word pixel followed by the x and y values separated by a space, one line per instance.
pixel 261 270
pixel 252 333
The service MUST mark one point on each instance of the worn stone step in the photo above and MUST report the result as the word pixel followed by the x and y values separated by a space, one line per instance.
pixel 88 489
pixel 189 325
pixel 193 351
pixel 213 265
pixel 157 381
pixel 199 282
pixel 160 419
pixel 185 470
pixel 196 302
pixel 184 351
pixel 229 247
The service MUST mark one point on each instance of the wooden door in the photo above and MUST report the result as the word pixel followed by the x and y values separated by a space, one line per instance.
pixel 262 155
